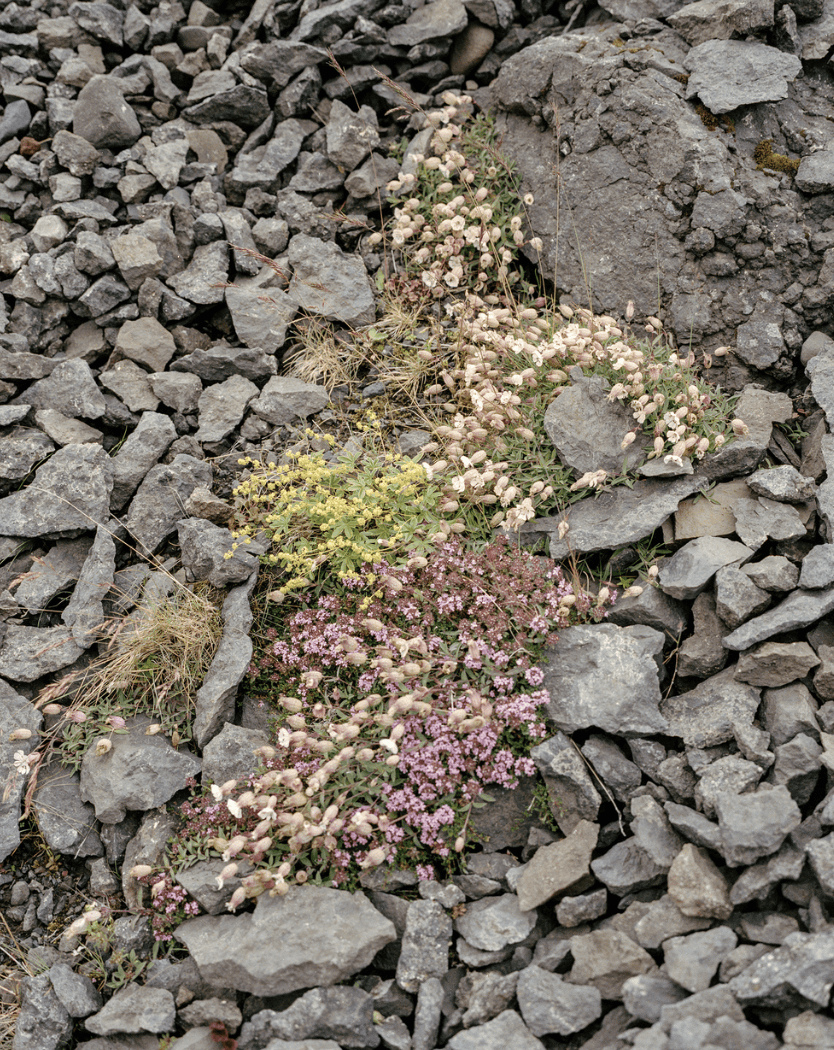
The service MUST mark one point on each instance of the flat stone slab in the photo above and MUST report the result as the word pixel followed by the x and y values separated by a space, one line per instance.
pixel 708 714
pixel 558 867
pixel 614 518
pixel 799 609
pixel 579 671
pixel 726 74
pixel 691 568
pixel 588 429
pixel 313 936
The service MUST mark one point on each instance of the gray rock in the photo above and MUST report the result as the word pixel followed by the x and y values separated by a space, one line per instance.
pixel 67 824
pixel 692 961
pixel 784 484
pixel 202 281
pixel 43 1022
pixel 762 519
pixel 737 597
pixel 801 967
pixel 809 1029
pixel 550 1005
pixel 240 104
pixel 285 399
pixel 614 518
pixel 221 362
pixel 27 653
pixel 558 867
pixel 692 567
pixel 605 959
pixel 138 259
pixel 697 887
pixel 616 772
pixel 138 772
pixel 261 316
pixel 652 608
pixel 231 754
pixel 178 390
pixel 351 136
pixel 628 868
pixel 15 713
pixel 646 994
pixel 775 664
pixel 796 765
pixel 481 997
pixel 342 1014
pixel 329 283
pixel 52 574
pixel 800 609
pixel 572 794
pixel 726 74
pixel 20 451
pixel 440 18
pixel 506 1030
pixel 135 1008
pixel 731 774
pixel 310 936
pixel 130 384
pixel 222 407
pixel 146 342
pixel 664 919
pixel 103 296
pixel 65 431
pixel 816 172
pixel 200 882
pixel 588 429
pixel 84 614
pixel 587 657
pixel 69 388
pixel 142 842
pixel 215 701
pixel 157 506
pixel 494 922
pixel 203 550
pixel 77 993
pixel 719 19
pixel 817 567
pixel 702 654
pixel 142 450
pixel 820 854
pixel 102 117
pixel 574 911
pixel 708 714
pixel 693 826
pixel 425 945
pixel 756 882
pixel 756 824
pixel 653 832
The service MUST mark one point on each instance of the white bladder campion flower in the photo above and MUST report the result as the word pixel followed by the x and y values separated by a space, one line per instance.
pixel 21 763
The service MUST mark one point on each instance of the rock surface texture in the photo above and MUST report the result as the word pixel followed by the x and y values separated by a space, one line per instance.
pixel 169 177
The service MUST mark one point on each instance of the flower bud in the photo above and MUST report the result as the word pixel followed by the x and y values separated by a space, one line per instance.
pixel 20 734
pixel 139 871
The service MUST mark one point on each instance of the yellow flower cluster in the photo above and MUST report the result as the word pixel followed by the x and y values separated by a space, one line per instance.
pixel 352 511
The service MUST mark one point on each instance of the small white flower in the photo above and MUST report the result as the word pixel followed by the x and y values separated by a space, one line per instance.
pixel 216 792
pixel 21 763
pixel 234 808
pixel 283 737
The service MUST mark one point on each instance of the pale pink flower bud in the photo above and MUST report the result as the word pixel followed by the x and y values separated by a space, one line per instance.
pixel 102 747
pixel 139 871
pixel 53 709
pixel 20 734
pixel 237 898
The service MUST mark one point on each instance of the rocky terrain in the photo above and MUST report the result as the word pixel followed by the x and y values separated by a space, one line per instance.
pixel 681 156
